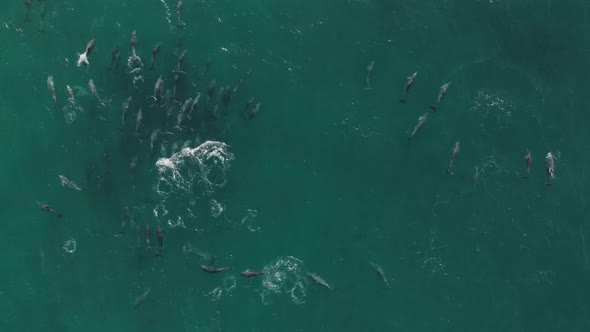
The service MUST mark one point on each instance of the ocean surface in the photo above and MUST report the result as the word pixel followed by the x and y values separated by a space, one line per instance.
pixel 322 180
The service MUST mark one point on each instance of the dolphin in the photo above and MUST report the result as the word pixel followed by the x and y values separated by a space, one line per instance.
pixel 380 272
pixel 158 89
pixel 408 85
pixel 28 8
pixel 211 269
pixel 370 68
pixel 155 52
pixel 248 104
pixel 419 125
pixel 550 160
pixel 184 111
pixel 194 105
pixel 72 99
pixel 125 109
pixel 83 58
pixel 181 59
pixel 179 14
pixel 46 207
pixel 454 153
pixel 51 88
pixel 139 120
pixel 141 298
pixel 254 111
pixel 67 182
pixel 320 281
pixel 94 91
pixel 441 94
pixel 251 273
pixel 529 163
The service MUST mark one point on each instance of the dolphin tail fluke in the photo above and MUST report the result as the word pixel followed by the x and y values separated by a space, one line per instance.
pixel 432 108
pixel 403 100
pixel 548 184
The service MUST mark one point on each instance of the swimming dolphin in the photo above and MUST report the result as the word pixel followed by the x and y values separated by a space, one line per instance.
pixel 251 273
pixel 42 16
pixel 320 281
pixel 380 272
pixel 124 109
pixel 550 160
pixel 67 182
pixel 181 59
pixel 254 111
pixel 419 125
pixel 153 138
pixel 226 96
pixel 184 111
pixel 148 235
pixel 141 298
pixel 194 105
pixel 94 91
pixel 211 91
pixel 369 74
pixel 529 163
pixel 158 90
pixel 160 237
pixel 454 153
pixel 248 104
pixel 134 56
pixel 72 99
pixel 408 85
pixel 179 14
pixel 210 269
pixel 238 85
pixel 51 88
pixel 115 56
pixel 139 119
pixel 155 52
pixel 441 94
pixel 28 8
pixel 46 207
pixel 83 58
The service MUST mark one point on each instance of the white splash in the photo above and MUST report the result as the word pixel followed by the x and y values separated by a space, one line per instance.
pixel 216 208
pixel 493 108
pixel 206 164
pixel 285 276
pixel 70 246
pixel 248 220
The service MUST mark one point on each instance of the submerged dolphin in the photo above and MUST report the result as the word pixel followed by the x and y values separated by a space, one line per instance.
pixel 380 272
pixel 320 281
pixel 211 269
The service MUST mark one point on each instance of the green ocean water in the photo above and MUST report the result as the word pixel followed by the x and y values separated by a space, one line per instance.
pixel 323 179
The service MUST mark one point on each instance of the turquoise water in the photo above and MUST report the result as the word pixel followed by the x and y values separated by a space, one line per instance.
pixel 322 180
